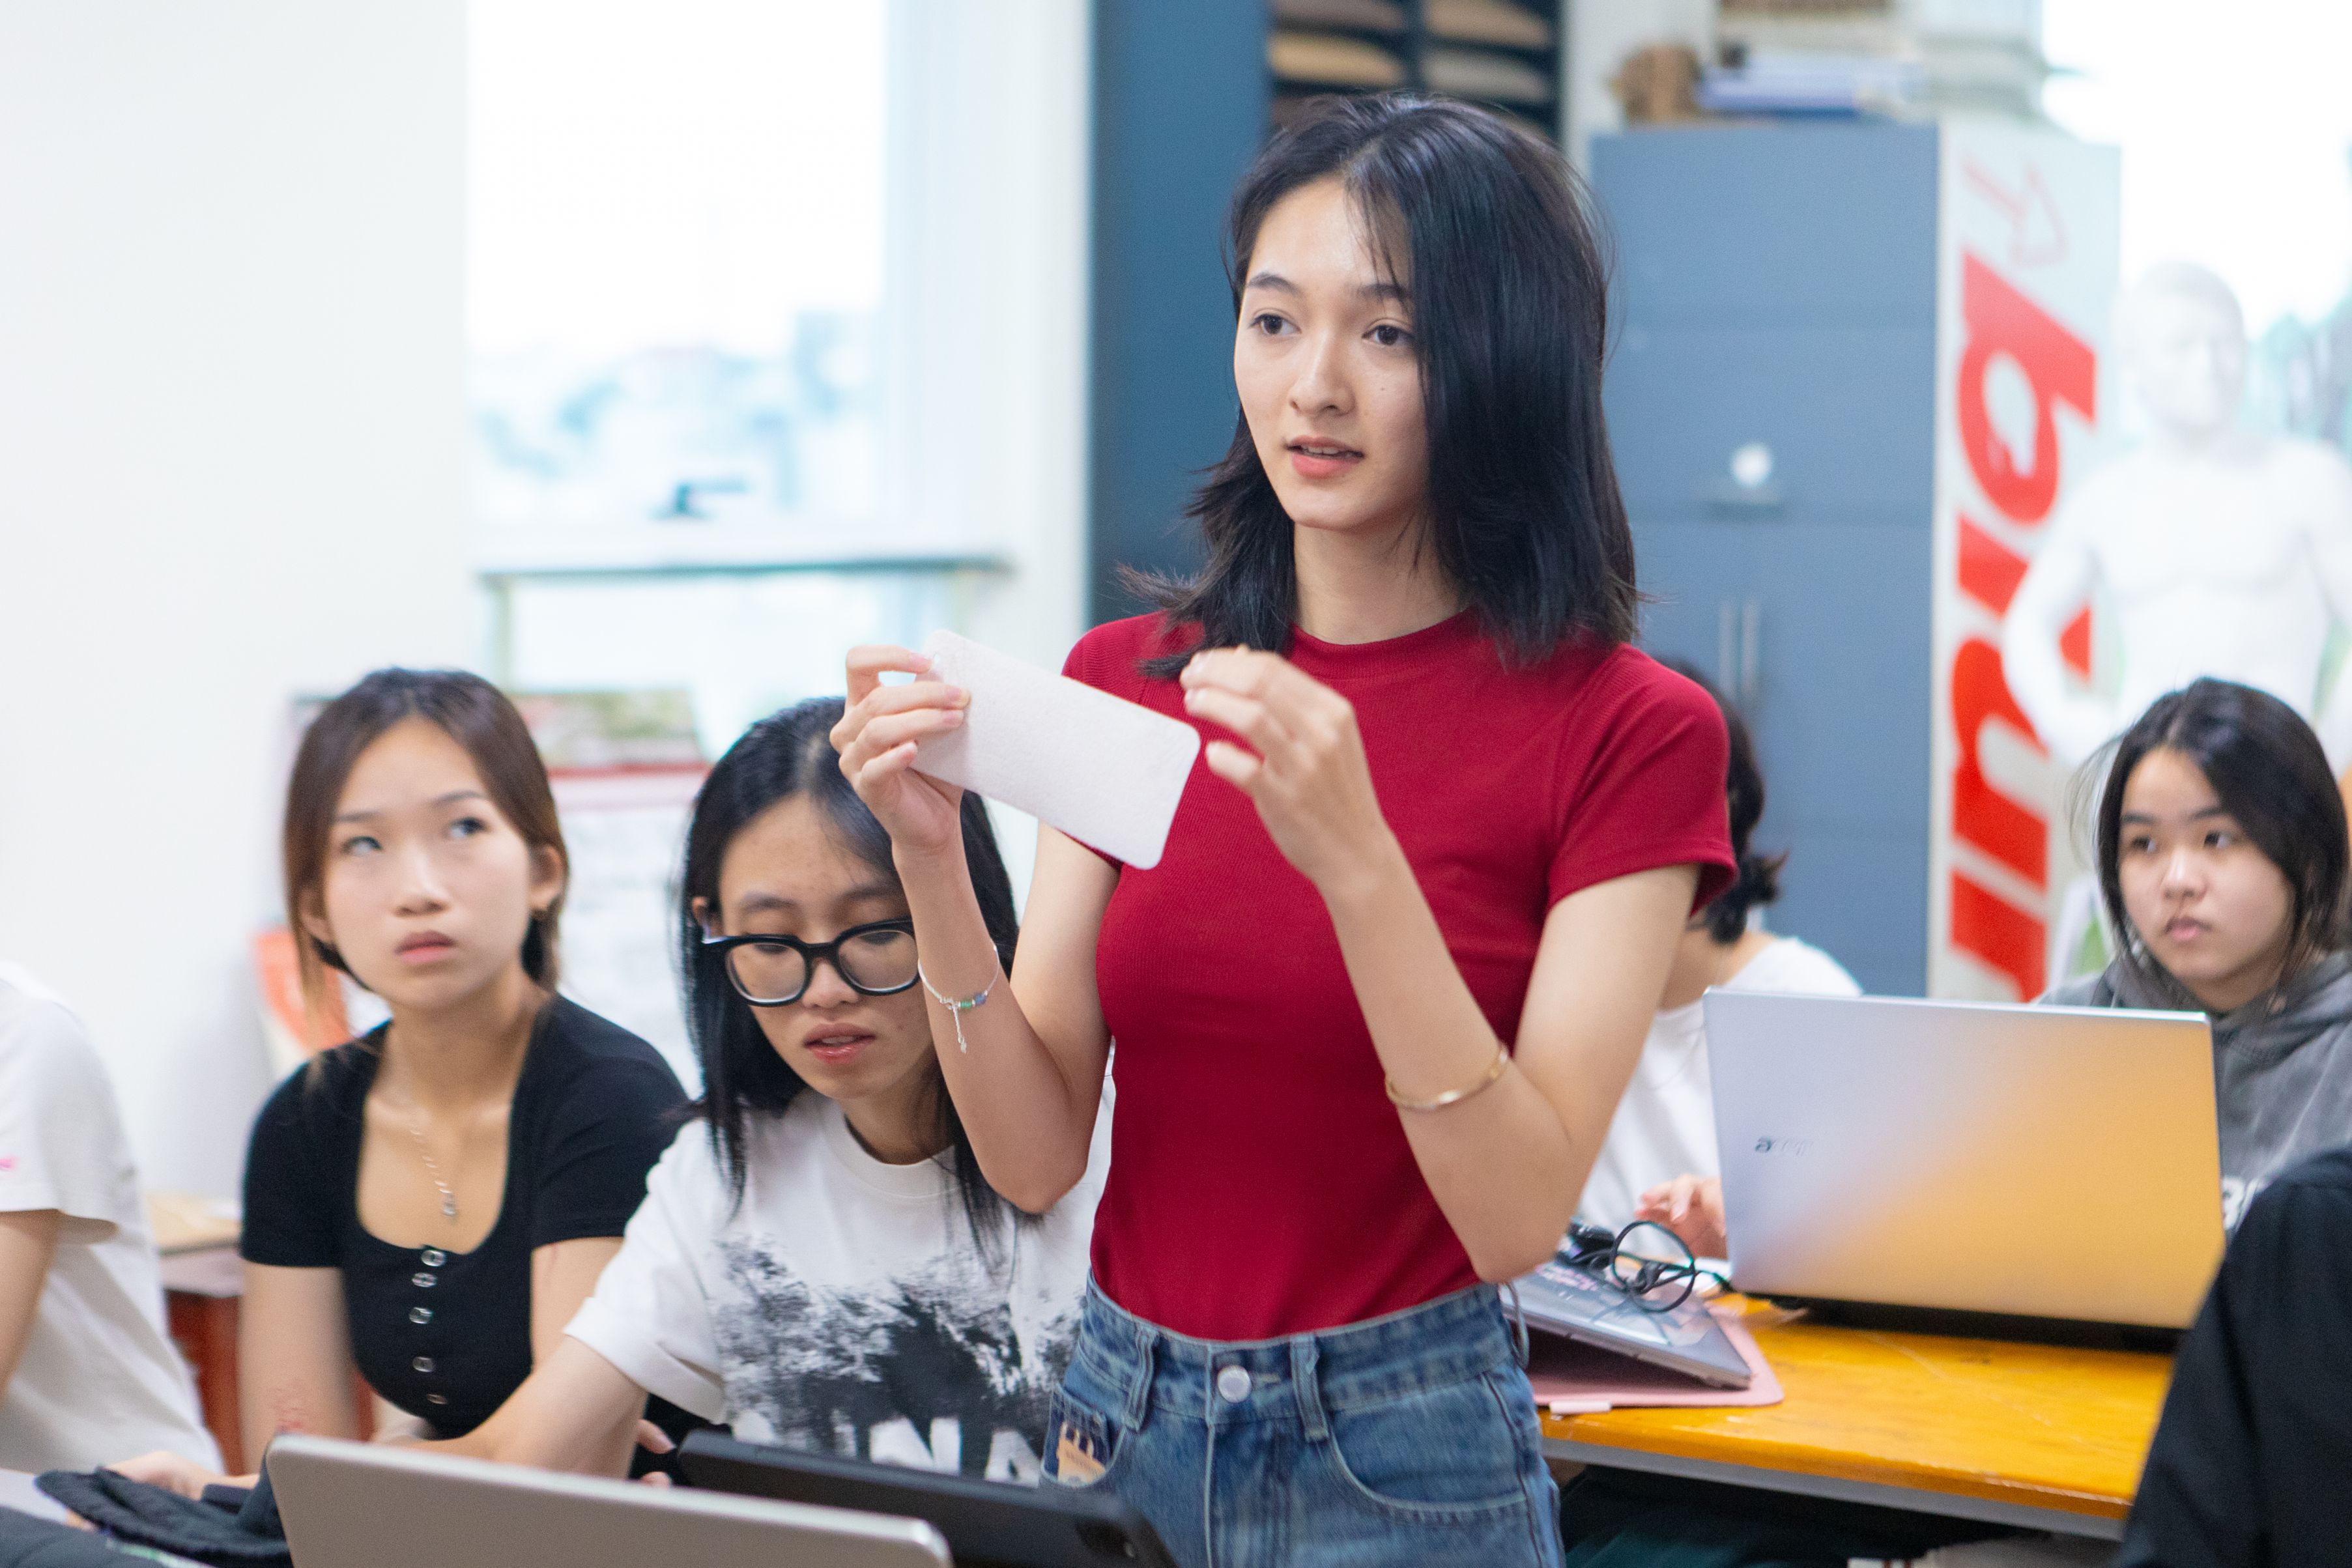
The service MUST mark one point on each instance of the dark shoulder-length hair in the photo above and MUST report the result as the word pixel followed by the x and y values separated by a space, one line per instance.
pixel 478 717
pixel 2267 766
pixel 1496 243
pixel 785 755
pixel 1759 882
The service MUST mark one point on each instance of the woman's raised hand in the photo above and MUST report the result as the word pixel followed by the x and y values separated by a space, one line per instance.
pixel 1303 768
pixel 877 737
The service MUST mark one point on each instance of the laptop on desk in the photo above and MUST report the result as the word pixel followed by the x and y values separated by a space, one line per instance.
pixel 366 1505
pixel 2034 1162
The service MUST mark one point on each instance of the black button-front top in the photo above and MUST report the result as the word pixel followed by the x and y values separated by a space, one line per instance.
pixel 445 1335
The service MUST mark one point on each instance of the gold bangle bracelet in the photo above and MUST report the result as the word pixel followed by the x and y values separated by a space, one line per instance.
pixel 1452 1096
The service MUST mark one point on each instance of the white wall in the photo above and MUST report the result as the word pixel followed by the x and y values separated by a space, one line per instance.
pixel 231 469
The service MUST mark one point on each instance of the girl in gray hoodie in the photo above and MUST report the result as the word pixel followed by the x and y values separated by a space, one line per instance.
pixel 2222 851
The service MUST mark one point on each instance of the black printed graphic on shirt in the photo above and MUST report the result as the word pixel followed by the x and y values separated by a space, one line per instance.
pixel 930 1370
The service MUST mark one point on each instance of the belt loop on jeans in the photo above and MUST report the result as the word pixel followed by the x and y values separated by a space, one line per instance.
pixel 1305 1388
pixel 1520 1350
pixel 1138 1392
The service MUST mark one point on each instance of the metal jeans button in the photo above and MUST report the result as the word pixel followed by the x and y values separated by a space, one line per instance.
pixel 1234 1385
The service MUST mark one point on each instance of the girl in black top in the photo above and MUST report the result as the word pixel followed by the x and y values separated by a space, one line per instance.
pixel 430 1204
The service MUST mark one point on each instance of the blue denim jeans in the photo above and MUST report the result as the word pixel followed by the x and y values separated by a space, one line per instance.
pixel 1410 1438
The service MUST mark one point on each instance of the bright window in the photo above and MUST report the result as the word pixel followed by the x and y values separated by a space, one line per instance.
pixel 676 260
pixel 2236 131
pixel 675 312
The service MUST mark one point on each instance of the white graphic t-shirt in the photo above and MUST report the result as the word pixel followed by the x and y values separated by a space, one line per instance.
pixel 846 1306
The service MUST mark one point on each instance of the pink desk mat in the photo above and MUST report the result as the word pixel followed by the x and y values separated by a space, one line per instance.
pixel 1591 1379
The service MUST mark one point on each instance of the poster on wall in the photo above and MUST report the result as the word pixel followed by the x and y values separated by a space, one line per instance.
pixel 2026 282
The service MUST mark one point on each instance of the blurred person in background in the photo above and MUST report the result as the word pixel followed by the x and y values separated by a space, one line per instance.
pixel 88 1373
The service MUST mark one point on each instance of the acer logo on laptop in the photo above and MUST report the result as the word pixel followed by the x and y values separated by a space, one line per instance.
pixel 1783 1145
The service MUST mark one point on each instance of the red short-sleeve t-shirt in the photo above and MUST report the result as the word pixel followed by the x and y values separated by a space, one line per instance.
pixel 1261 1183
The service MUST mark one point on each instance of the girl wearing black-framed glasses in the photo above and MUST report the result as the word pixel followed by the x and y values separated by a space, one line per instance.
pixel 773 970
pixel 819 1262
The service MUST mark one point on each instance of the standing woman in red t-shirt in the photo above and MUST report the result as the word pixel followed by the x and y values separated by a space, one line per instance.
pixel 1376 1004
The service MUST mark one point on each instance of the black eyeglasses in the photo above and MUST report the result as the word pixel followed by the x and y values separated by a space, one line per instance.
pixel 875 960
pixel 1653 1267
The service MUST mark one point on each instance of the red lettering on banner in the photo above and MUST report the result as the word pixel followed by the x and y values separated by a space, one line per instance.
pixel 1998 320
pixel 2061 368
pixel 1990 570
pixel 2012 833
pixel 1989 573
pixel 2000 933
pixel 2074 643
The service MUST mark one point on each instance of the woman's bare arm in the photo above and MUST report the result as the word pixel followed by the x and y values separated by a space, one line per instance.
pixel 576 1411
pixel 1031 1082
pixel 1508 1164
pixel 294 1356
pixel 29 1245
pixel 563 1275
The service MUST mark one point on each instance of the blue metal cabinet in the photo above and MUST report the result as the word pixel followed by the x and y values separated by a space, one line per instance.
pixel 1839 702
pixel 1699 579
pixel 1681 401
pixel 1777 292
pixel 1787 226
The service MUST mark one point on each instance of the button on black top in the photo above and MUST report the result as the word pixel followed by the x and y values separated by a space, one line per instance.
pixel 592 1112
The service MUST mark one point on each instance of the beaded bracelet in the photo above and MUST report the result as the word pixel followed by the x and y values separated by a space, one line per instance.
pixel 956 1010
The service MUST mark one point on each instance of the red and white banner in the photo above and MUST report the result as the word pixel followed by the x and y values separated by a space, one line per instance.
pixel 2026 266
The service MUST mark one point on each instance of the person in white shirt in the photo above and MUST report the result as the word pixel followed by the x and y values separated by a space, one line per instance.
pixel 87 1374
pixel 818 1261
pixel 1659 1162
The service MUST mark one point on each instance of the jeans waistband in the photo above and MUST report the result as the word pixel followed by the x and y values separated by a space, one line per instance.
pixel 1451 1340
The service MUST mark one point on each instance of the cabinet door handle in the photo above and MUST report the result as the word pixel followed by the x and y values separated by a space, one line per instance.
pixel 1751 649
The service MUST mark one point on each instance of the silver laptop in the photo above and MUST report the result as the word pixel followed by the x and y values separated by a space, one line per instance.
pixel 2037 1161
pixel 364 1505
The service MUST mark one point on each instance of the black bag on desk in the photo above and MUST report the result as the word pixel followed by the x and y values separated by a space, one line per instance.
pixel 230 1528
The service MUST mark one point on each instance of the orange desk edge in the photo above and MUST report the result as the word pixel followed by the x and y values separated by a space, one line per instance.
pixel 2044 1436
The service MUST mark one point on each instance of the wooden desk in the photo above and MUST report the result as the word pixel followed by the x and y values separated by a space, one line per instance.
pixel 2040 1436
pixel 185 1223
